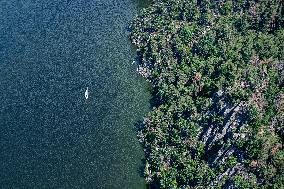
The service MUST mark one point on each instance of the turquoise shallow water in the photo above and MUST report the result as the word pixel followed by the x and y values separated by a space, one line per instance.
pixel 50 136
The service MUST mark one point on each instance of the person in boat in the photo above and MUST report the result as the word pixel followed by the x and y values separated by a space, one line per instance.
pixel 87 93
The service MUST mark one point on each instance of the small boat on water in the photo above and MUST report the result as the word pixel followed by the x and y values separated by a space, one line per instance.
pixel 87 93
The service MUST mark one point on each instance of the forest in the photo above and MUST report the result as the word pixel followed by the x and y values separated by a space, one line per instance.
pixel 217 72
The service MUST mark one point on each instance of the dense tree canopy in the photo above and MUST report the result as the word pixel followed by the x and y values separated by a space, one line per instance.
pixel 217 71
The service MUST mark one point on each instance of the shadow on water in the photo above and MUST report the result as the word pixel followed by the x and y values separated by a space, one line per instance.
pixel 138 127
pixel 154 101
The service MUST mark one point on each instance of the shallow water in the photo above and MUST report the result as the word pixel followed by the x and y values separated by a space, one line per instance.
pixel 50 135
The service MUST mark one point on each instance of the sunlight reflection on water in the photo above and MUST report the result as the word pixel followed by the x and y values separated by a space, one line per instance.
pixel 51 136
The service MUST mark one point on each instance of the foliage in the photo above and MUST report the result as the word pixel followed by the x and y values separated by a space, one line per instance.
pixel 217 72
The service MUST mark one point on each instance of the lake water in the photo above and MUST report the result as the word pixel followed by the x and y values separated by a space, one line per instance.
pixel 50 135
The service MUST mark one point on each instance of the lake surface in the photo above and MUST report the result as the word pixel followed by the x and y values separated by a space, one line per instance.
pixel 50 135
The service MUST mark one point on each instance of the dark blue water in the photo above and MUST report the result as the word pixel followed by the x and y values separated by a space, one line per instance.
pixel 50 135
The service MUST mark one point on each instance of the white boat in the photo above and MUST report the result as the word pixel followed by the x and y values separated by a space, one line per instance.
pixel 87 93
